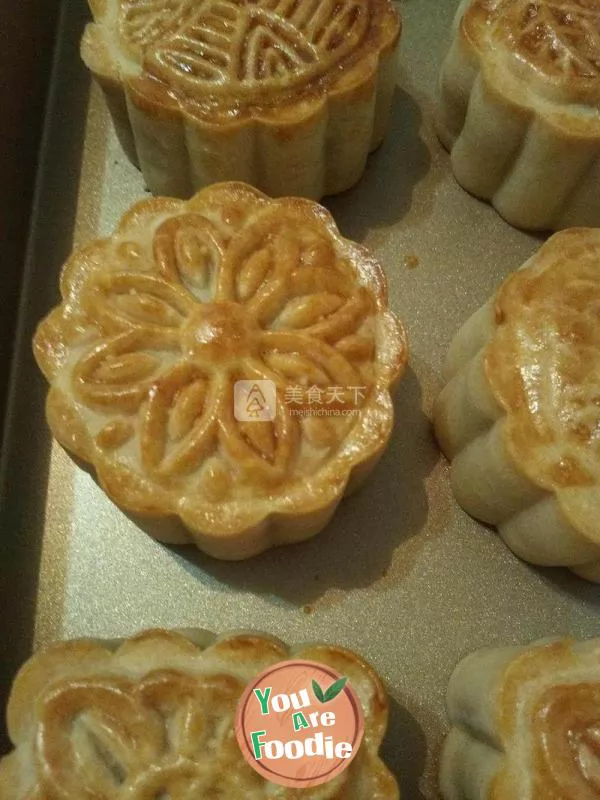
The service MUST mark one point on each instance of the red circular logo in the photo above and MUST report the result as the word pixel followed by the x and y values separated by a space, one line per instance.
pixel 299 724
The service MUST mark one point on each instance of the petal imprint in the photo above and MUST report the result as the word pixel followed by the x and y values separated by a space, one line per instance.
pixel 253 274
pixel 98 718
pixel 187 406
pixel 189 250
pixel 181 394
pixel 121 301
pixel 261 450
pixel 116 373
pixel 302 312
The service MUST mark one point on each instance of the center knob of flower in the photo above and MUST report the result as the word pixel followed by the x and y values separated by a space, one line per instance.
pixel 219 332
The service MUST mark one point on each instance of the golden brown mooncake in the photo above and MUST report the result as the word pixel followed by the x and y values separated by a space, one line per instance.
pixel 524 724
pixel 520 109
pixel 519 416
pixel 287 95
pixel 153 717
pixel 158 324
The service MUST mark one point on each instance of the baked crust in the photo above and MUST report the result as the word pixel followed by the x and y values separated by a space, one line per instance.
pixel 520 414
pixel 520 109
pixel 524 723
pixel 154 716
pixel 287 96
pixel 159 322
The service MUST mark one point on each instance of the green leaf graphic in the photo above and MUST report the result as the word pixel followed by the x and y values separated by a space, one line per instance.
pixel 331 693
pixel 335 689
pixel 318 692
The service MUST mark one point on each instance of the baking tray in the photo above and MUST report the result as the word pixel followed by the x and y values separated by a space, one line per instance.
pixel 27 36
pixel 401 574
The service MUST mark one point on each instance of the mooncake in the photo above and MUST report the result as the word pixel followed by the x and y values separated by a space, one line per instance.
pixel 226 361
pixel 287 95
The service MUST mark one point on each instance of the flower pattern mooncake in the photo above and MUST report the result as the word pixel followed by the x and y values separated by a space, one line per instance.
pixel 287 95
pixel 520 109
pixel 160 322
pixel 154 717
pixel 524 723
pixel 519 416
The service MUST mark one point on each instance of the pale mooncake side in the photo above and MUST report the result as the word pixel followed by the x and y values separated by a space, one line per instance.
pixel 520 109
pixel 285 95
pixel 519 417
pixel 154 717
pixel 161 324
pixel 524 723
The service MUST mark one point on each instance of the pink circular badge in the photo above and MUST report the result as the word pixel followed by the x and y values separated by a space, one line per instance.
pixel 299 724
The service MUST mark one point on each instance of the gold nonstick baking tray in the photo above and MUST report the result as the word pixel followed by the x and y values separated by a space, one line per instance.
pixel 401 574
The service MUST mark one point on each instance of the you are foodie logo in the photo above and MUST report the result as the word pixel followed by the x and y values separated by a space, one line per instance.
pixel 299 724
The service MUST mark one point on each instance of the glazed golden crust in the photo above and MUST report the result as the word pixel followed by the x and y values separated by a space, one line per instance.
pixel 559 40
pixel 519 416
pixel 154 716
pixel 541 54
pixel 219 61
pixel 288 96
pixel 537 710
pixel 159 322
pixel 543 367
pixel 520 109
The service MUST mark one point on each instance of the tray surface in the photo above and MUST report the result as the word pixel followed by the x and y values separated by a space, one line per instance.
pixel 402 575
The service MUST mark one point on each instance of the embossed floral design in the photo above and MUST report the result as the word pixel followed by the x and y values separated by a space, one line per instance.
pixel 288 95
pixel 560 38
pixel 548 316
pixel 520 109
pixel 540 724
pixel 169 735
pixel 230 47
pixel 550 694
pixel 160 322
pixel 103 725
